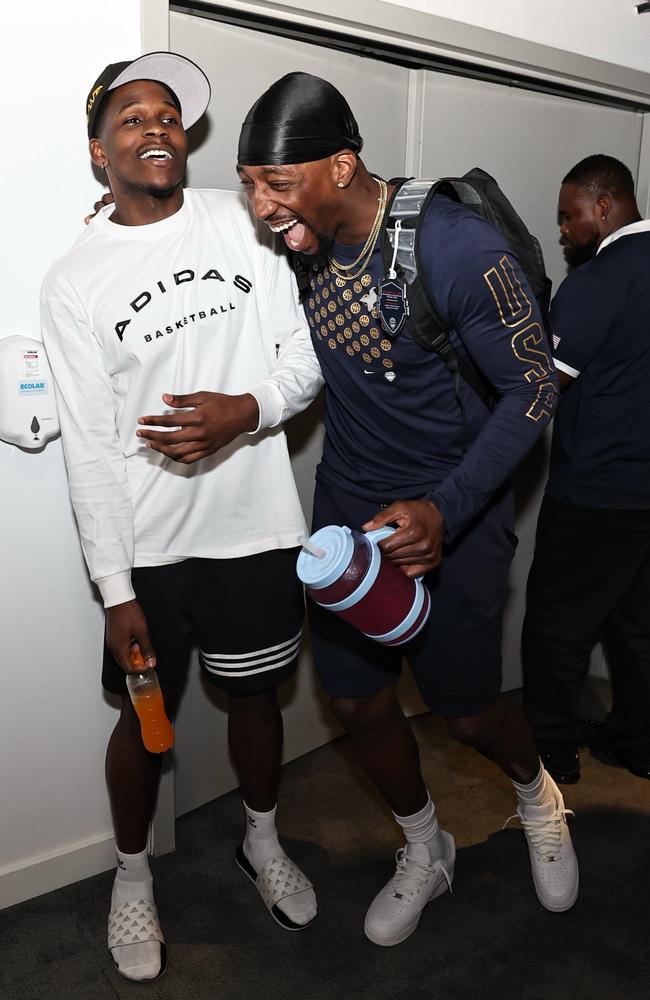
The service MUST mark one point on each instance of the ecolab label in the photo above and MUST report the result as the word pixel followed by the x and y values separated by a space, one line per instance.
pixel 35 388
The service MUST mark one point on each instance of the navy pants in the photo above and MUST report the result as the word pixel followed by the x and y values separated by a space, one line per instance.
pixel 590 580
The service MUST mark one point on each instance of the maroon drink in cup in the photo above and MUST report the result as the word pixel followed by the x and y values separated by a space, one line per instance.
pixel 353 579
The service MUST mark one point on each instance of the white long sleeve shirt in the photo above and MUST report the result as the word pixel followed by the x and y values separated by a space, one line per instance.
pixel 198 301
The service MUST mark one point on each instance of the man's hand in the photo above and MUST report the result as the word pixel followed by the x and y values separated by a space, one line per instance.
pixel 127 637
pixel 416 545
pixel 106 199
pixel 215 420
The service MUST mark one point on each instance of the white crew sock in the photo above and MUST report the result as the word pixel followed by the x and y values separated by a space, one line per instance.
pixel 539 792
pixel 261 844
pixel 133 881
pixel 422 828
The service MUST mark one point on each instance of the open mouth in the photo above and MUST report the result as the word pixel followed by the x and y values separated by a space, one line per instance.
pixel 297 235
pixel 156 154
pixel 281 227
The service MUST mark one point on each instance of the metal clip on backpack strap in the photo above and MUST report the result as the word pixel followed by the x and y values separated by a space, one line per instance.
pixel 401 226
pixel 392 273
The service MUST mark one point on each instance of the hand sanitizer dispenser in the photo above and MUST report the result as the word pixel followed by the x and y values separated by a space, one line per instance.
pixel 27 406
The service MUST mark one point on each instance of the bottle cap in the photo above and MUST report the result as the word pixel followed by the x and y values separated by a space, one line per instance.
pixel 338 545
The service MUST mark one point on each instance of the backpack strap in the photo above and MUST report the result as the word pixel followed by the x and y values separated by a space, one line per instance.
pixel 428 328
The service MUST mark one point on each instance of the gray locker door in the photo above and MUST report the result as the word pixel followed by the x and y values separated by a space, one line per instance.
pixel 528 141
pixel 241 64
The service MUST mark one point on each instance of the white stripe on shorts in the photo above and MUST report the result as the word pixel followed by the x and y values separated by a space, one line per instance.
pixel 256 662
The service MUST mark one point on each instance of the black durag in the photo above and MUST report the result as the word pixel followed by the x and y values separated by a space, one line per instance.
pixel 300 118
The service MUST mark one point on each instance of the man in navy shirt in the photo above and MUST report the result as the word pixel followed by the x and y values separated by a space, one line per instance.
pixel 394 453
pixel 590 577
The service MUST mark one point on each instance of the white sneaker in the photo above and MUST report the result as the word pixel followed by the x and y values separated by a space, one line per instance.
pixel 395 911
pixel 552 857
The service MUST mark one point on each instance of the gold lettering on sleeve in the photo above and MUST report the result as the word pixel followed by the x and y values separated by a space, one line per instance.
pixel 513 304
pixel 544 403
pixel 527 343
pixel 525 346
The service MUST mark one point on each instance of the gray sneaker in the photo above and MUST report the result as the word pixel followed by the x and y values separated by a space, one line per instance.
pixel 395 911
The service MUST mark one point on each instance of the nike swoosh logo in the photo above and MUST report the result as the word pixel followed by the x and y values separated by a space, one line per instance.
pixel 366 372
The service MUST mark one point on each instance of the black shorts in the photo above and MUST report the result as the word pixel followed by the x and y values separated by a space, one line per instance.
pixel 244 614
pixel 456 658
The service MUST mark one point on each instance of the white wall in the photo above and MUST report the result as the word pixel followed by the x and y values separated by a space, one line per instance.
pixel 610 30
pixel 54 819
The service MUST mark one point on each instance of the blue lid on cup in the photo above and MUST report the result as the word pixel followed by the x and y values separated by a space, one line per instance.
pixel 337 544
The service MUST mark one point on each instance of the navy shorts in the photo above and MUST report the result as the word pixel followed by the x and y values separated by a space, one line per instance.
pixel 244 614
pixel 456 658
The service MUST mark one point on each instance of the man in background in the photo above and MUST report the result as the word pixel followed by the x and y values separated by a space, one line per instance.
pixel 590 576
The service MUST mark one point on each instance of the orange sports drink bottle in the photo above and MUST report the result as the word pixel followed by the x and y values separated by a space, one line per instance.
pixel 147 699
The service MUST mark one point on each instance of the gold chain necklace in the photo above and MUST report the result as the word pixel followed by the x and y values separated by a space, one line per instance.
pixel 361 261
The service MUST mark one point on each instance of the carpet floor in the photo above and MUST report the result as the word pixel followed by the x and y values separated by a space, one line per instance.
pixel 489 940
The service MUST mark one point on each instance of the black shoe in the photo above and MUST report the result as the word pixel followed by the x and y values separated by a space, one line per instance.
pixel 605 749
pixel 562 762
pixel 636 764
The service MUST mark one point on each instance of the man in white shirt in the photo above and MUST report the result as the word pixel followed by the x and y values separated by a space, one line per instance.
pixel 169 290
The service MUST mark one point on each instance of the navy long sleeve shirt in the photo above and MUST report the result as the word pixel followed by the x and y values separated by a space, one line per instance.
pixel 394 429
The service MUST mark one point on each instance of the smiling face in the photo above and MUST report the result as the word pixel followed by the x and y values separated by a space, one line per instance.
pixel 300 200
pixel 580 218
pixel 142 144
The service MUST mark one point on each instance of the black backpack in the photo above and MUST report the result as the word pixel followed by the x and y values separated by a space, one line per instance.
pixel 479 191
